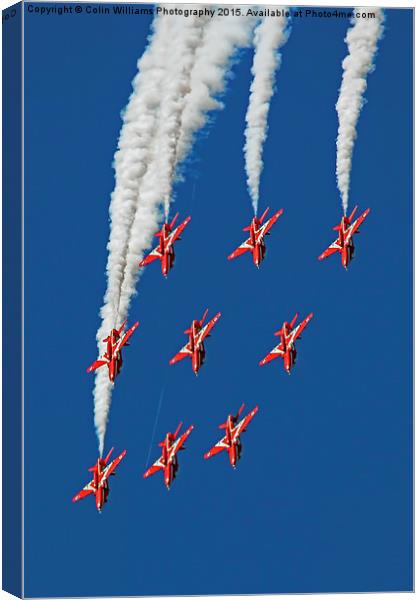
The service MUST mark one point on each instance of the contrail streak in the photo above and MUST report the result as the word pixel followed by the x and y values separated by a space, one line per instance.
pixel 270 35
pixel 181 76
pixel 162 393
pixel 362 41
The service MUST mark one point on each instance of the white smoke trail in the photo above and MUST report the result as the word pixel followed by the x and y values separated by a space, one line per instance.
pixel 270 35
pixel 188 39
pixel 131 161
pixel 195 67
pixel 362 41
pixel 207 80
pixel 208 77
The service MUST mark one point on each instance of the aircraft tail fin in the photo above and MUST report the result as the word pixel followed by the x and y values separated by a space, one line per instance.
pixel 264 214
pixel 178 429
pixel 122 327
pixel 353 212
pixel 204 317
pixel 293 321
pixel 240 410
pixel 108 456
pixel 174 221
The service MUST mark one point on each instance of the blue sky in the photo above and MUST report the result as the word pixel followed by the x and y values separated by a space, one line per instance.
pixel 322 498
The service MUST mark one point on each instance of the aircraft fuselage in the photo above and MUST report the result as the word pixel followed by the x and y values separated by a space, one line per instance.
pixel 347 248
pixel 198 350
pixel 235 446
pixel 101 494
pixel 168 254
pixel 258 251
pixel 171 464
pixel 289 357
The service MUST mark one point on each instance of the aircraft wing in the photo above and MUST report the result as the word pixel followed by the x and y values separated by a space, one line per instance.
pixel 157 466
pixel 98 363
pixel 177 445
pixel 177 232
pixel 335 247
pixel 275 353
pixel 154 255
pixel 356 224
pixel 241 249
pixel 243 424
pixel 219 447
pixel 122 342
pixel 86 491
pixel 298 330
pixel 268 225
pixel 205 332
pixel 185 351
pixel 111 468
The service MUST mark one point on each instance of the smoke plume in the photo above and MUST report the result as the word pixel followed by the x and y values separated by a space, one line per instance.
pixel 362 40
pixel 270 35
pixel 181 76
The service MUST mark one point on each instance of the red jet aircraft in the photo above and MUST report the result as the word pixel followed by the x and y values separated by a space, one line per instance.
pixel 344 244
pixel 113 357
pixel 255 243
pixel 164 251
pixel 231 442
pixel 288 336
pixel 99 484
pixel 194 348
pixel 168 461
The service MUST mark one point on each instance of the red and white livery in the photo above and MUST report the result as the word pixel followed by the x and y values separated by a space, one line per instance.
pixel 99 486
pixel 344 244
pixel 168 461
pixel 112 357
pixel 165 251
pixel 231 442
pixel 286 349
pixel 256 243
pixel 194 348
